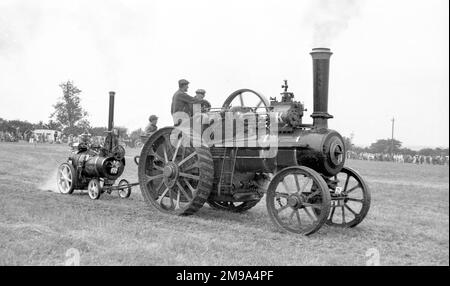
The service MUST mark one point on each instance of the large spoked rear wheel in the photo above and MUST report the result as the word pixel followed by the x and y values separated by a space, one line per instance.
pixel 66 178
pixel 292 198
pixel 174 177
pixel 350 202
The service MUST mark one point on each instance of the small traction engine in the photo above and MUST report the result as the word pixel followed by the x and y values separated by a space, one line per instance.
pixel 95 167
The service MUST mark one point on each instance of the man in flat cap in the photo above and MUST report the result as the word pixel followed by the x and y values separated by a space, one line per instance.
pixel 200 95
pixel 181 101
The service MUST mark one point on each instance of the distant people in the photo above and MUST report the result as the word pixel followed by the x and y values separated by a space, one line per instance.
pixel 181 101
pixel 200 95
pixel 151 126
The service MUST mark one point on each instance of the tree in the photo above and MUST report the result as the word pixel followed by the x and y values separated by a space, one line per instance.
pixel 53 125
pixel 20 126
pixel 348 143
pixel 385 146
pixel 136 134
pixel 40 125
pixel 98 131
pixel 122 131
pixel 407 151
pixel 68 111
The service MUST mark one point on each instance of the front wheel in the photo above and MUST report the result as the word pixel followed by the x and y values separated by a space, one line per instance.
pixel 94 189
pixel 124 192
pixel 298 200
pixel 350 201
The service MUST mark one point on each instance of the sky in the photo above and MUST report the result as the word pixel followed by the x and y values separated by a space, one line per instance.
pixel 390 59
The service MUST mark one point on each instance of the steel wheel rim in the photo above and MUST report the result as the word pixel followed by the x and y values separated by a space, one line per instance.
pixel 123 193
pixel 354 205
pixel 65 179
pixel 291 203
pixel 170 173
pixel 94 189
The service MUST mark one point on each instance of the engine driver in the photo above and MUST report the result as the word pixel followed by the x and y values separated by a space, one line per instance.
pixel 181 101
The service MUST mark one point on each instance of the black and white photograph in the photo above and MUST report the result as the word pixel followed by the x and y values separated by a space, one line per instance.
pixel 219 133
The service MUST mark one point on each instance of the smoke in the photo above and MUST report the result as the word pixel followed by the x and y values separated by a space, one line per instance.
pixel 49 183
pixel 330 18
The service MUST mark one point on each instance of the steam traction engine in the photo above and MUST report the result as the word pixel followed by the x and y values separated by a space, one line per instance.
pixel 95 167
pixel 306 183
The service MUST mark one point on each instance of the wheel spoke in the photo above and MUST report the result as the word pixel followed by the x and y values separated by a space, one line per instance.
pixel 180 187
pixel 343 215
pixel 281 195
pixel 309 214
pixel 172 205
pixel 190 176
pixel 259 104
pixel 178 199
pixel 159 186
pixel 241 99
pixel 355 200
pixel 191 167
pixel 158 157
pixel 166 159
pixel 190 156
pixel 351 210
pixel 312 195
pixel 151 178
pixel 180 140
pixel 333 209
pixel 305 184
pixel 291 216
pixel 353 188
pixel 159 168
pixel 315 206
pixel 346 182
pixel 193 191
pixel 164 193
pixel 65 176
pixel 282 208
pixel 297 214
pixel 297 184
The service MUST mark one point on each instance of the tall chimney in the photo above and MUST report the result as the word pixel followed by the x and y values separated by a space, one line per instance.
pixel 321 68
pixel 111 111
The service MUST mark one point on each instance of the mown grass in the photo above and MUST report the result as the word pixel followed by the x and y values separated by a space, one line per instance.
pixel 408 222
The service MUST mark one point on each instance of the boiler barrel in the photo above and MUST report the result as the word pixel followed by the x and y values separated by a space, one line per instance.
pixel 103 167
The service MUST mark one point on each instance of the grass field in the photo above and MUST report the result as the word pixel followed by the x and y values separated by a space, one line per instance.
pixel 408 222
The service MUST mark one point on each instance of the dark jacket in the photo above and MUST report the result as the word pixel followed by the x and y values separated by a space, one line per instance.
pixel 181 101
pixel 150 128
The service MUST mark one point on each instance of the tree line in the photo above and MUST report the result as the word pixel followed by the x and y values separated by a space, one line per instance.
pixel 70 118
pixel 389 146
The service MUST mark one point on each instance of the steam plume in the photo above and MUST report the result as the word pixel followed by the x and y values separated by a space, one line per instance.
pixel 330 18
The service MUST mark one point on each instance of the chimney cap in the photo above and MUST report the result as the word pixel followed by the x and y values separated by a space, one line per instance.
pixel 321 53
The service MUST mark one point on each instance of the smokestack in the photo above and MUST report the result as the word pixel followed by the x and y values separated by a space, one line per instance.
pixel 111 110
pixel 321 68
